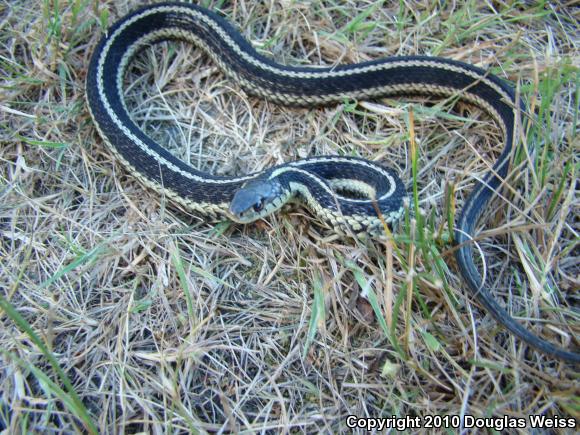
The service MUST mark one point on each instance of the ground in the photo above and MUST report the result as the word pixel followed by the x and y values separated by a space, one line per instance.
pixel 124 313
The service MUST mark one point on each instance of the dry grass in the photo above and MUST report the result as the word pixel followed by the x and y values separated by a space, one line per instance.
pixel 164 323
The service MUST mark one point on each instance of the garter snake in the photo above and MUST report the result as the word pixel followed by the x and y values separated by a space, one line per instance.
pixel 314 180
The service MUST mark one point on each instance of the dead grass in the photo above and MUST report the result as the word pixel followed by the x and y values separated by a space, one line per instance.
pixel 164 323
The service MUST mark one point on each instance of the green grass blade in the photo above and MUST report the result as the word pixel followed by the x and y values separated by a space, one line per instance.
pixel 81 259
pixel 317 317
pixel 70 398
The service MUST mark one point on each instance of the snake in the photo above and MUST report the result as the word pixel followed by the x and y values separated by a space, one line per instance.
pixel 353 196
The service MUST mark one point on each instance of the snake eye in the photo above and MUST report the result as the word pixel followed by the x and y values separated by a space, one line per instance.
pixel 259 206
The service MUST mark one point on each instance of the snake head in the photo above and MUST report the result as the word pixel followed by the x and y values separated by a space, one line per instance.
pixel 256 199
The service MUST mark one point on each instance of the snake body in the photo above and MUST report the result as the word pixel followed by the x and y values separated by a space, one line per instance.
pixel 315 180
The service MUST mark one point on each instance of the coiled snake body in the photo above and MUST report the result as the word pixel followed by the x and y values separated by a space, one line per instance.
pixel 314 180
